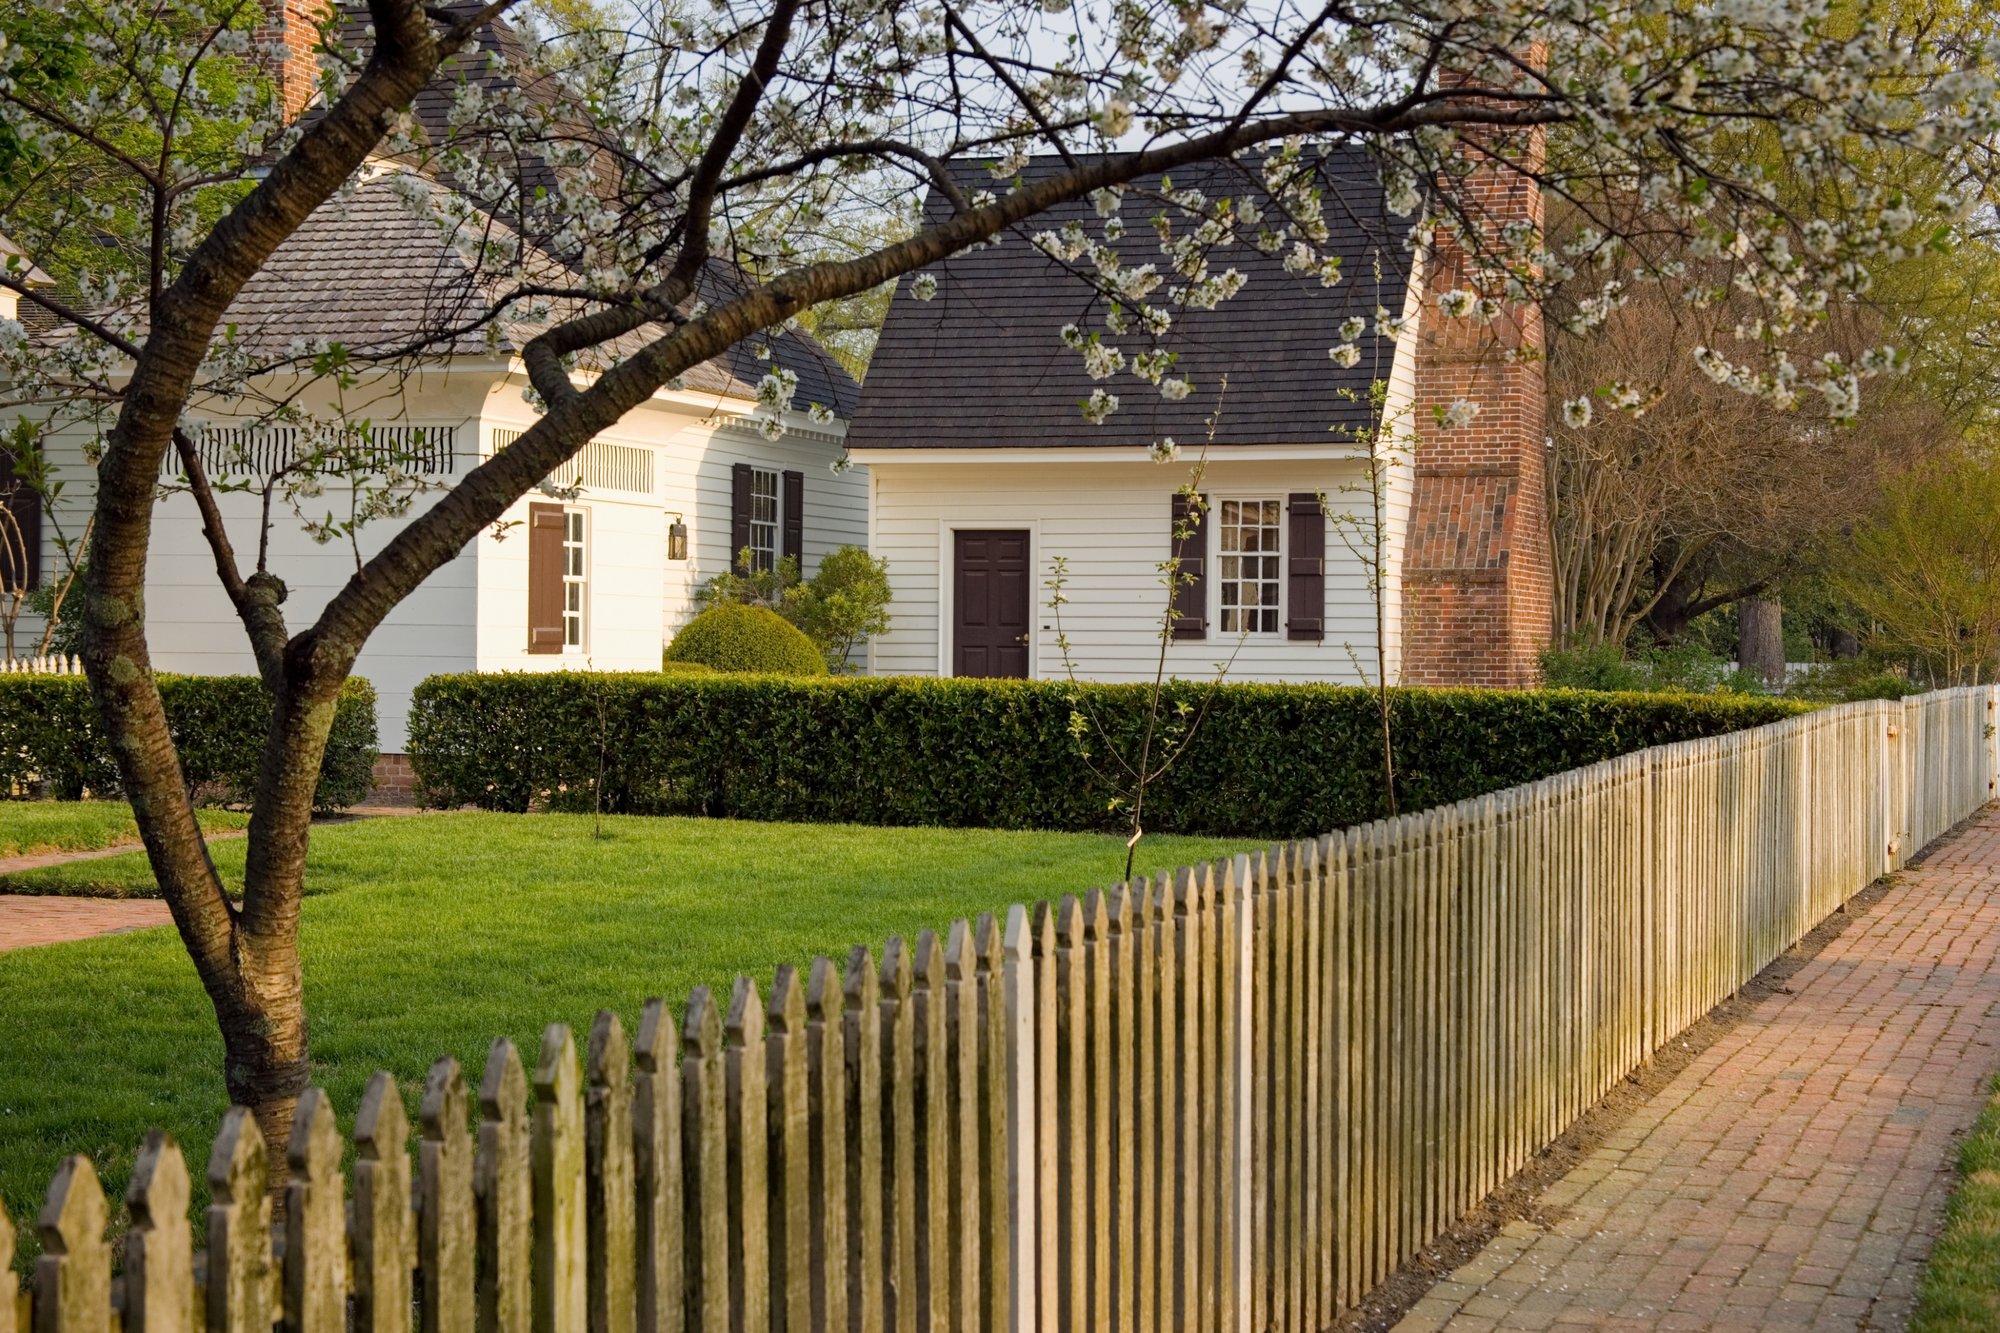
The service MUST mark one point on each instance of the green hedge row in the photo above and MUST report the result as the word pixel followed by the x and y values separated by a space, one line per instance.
pixel 49 732
pixel 1274 761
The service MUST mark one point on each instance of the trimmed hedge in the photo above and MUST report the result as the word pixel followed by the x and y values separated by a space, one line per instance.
pixel 49 731
pixel 1270 761
pixel 731 636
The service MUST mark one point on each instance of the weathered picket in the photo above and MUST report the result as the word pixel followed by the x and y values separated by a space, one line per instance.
pixel 1230 1098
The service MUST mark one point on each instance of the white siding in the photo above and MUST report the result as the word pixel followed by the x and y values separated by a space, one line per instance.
pixel 193 628
pixel 473 613
pixel 1110 521
pixel 1397 454
pixel 699 477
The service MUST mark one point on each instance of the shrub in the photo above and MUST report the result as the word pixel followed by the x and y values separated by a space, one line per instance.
pixel 1269 761
pixel 672 668
pixel 49 732
pixel 846 602
pixel 731 636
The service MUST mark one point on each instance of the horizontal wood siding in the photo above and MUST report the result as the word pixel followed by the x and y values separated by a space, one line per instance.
pixel 1109 521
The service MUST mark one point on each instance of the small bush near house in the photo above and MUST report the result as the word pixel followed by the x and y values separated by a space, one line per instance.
pixel 731 636
pixel 844 604
pixel 1268 761
pixel 672 668
pixel 49 733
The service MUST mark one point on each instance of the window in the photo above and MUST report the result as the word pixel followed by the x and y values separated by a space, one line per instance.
pixel 764 515
pixel 573 580
pixel 1250 532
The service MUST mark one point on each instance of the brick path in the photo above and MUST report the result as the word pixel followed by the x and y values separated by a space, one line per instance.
pixel 1795 1174
pixel 26 920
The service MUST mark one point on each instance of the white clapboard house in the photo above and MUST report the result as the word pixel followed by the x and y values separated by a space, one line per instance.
pixel 984 474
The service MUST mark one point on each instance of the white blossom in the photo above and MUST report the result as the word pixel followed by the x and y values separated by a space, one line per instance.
pixel 1457 303
pixel 1576 413
pixel 1346 355
pixel 924 286
pixel 1458 415
pixel 1099 406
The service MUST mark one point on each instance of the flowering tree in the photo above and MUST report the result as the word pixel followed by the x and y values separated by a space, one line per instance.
pixel 595 194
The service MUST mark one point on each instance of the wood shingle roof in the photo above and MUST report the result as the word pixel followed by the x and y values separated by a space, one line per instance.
pixel 982 364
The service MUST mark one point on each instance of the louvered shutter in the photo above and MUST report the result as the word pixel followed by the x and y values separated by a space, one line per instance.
pixel 20 567
pixel 545 578
pixel 1189 533
pixel 739 515
pixel 1305 569
pixel 792 507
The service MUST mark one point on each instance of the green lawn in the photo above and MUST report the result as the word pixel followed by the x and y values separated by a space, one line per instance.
pixel 28 828
pixel 1961 1291
pixel 431 935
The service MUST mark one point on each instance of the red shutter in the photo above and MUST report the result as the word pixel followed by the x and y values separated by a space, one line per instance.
pixel 739 514
pixel 1189 534
pixel 1305 569
pixel 792 507
pixel 20 566
pixel 545 578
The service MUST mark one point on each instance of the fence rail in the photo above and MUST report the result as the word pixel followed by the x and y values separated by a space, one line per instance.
pixel 1231 1098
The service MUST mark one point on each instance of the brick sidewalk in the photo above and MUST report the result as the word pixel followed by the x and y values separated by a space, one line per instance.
pixel 26 920
pixel 1795 1174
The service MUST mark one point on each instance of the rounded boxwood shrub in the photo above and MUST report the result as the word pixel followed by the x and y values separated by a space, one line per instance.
pixel 730 636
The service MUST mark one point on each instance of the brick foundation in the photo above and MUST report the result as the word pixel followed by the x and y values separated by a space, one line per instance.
pixel 1477 581
pixel 395 781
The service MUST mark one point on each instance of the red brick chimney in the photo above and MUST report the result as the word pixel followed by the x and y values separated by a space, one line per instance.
pixel 296 24
pixel 1477 585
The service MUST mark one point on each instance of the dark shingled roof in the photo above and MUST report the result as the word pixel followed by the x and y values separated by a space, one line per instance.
pixel 981 364
pixel 371 274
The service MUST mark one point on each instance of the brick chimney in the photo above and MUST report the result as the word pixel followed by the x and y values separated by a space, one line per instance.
pixel 1477 586
pixel 296 24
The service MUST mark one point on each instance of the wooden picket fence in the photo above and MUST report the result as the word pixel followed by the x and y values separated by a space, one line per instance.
pixel 1231 1098
pixel 41 666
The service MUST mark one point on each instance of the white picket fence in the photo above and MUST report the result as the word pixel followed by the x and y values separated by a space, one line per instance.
pixel 41 666
pixel 1233 1098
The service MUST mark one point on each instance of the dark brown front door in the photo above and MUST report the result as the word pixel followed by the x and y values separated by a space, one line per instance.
pixel 990 605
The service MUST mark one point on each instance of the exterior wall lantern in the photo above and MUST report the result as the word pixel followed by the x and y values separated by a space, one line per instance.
pixel 677 539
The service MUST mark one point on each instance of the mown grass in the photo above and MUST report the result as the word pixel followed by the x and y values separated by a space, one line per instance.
pixel 1961 1288
pixel 431 935
pixel 31 828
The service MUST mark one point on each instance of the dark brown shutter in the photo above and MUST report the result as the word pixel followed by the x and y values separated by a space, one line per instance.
pixel 792 507
pixel 26 507
pixel 739 514
pixel 1190 544
pixel 545 578
pixel 1305 567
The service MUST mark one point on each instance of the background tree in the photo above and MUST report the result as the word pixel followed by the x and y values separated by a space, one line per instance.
pixel 1671 495
pixel 1925 567
pixel 643 196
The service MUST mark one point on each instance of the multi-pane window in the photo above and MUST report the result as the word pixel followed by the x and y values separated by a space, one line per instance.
pixel 573 579
pixel 1249 532
pixel 763 519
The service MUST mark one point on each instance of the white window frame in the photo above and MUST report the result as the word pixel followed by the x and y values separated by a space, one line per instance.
pixel 766 557
pixel 1218 609
pixel 576 579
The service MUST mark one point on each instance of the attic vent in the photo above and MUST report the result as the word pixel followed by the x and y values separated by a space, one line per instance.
pixel 600 467
pixel 262 451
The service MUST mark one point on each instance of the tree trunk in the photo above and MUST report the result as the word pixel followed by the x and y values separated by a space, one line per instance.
pixel 1760 639
pixel 1846 644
